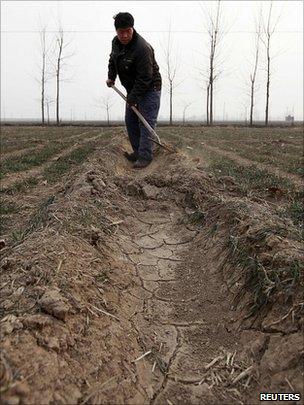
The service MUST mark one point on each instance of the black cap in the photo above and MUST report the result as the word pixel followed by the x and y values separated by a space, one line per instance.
pixel 123 20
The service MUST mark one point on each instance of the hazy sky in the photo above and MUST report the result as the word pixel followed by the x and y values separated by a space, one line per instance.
pixel 89 28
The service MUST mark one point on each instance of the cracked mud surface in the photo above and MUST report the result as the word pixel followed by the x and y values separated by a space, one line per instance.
pixel 184 315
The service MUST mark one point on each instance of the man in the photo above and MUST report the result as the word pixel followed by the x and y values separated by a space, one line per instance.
pixel 132 59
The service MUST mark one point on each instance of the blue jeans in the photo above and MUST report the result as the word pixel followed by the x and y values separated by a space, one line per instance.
pixel 138 134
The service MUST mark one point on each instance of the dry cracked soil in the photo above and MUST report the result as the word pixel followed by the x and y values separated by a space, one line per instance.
pixel 121 296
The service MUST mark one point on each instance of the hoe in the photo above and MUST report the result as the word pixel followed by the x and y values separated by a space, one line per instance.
pixel 155 137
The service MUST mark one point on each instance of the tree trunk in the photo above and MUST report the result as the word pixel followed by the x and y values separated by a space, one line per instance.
pixel 57 96
pixel 211 103
pixel 211 78
pixel 48 113
pixel 42 89
pixel 267 88
pixel 251 103
pixel 60 42
pixel 171 94
pixel 208 90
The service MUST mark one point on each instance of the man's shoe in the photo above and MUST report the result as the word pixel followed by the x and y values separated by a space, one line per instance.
pixel 132 157
pixel 141 163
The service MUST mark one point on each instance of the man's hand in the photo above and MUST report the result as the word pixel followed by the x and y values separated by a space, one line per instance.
pixel 131 102
pixel 110 82
pixel 132 105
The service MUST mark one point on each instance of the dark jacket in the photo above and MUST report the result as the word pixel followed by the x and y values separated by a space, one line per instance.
pixel 136 67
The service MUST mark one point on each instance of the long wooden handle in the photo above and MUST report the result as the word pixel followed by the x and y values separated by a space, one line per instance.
pixel 141 117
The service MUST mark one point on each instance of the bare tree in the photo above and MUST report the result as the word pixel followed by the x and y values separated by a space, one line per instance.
pixel 186 106
pixel 48 102
pixel 215 35
pixel 268 30
pixel 61 48
pixel 106 103
pixel 44 73
pixel 59 40
pixel 171 67
pixel 253 74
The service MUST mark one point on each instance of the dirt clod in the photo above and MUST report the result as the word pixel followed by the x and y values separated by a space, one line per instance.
pixel 150 192
pixel 54 304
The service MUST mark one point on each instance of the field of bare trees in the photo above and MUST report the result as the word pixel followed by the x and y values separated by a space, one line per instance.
pixel 57 50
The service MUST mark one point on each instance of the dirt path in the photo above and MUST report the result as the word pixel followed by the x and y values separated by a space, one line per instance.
pixel 185 315
pixel 247 162
pixel 11 178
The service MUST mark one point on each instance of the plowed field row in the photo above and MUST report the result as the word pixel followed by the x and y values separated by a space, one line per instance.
pixel 46 159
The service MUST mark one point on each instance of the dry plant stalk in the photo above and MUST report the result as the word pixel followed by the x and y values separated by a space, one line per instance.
pixel 213 362
pixel 105 312
pixel 243 374
pixel 142 356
